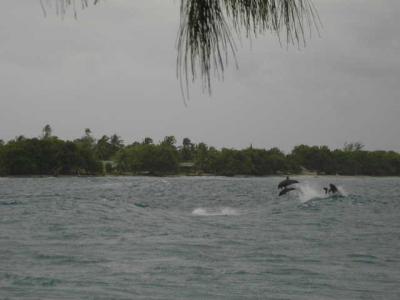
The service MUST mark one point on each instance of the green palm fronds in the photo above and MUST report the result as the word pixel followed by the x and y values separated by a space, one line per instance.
pixel 205 39
pixel 61 6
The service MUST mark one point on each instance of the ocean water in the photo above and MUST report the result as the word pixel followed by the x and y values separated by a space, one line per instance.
pixel 198 238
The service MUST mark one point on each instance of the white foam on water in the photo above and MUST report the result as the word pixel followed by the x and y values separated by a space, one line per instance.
pixel 223 211
pixel 165 181
pixel 307 192
pixel 342 191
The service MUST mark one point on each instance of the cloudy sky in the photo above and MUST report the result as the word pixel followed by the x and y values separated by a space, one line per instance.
pixel 113 71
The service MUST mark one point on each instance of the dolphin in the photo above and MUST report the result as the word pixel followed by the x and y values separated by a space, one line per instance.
pixel 286 182
pixel 333 189
pixel 286 190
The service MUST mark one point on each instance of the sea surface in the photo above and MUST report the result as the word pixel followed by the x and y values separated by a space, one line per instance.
pixel 198 238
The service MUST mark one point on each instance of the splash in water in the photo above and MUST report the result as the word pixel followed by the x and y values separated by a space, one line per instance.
pixel 308 191
pixel 224 211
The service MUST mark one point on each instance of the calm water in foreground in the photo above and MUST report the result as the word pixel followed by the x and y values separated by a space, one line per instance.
pixel 198 238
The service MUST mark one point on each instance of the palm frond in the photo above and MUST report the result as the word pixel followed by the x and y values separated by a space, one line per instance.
pixel 62 6
pixel 206 40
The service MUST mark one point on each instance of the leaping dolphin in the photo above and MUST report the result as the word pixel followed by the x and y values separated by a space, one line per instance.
pixel 333 189
pixel 286 190
pixel 286 182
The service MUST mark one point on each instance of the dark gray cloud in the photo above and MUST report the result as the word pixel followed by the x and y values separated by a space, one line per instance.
pixel 113 70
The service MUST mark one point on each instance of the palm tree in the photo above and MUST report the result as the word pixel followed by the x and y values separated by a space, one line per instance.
pixel 47 131
pixel 206 38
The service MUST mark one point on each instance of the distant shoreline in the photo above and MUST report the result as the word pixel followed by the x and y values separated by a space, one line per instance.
pixel 197 175
pixel 88 156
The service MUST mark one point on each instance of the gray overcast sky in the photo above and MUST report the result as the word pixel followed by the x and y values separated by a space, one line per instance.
pixel 113 71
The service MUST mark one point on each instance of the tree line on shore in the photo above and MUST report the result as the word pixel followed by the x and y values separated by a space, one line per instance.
pixel 49 155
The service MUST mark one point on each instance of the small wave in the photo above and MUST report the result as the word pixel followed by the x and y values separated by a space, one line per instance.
pixel 141 205
pixel 9 203
pixel 37 281
pixel 224 211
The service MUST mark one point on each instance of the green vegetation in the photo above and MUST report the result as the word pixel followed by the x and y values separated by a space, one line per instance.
pixel 49 155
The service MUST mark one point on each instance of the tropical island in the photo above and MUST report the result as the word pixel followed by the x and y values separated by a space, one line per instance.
pixel 52 156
